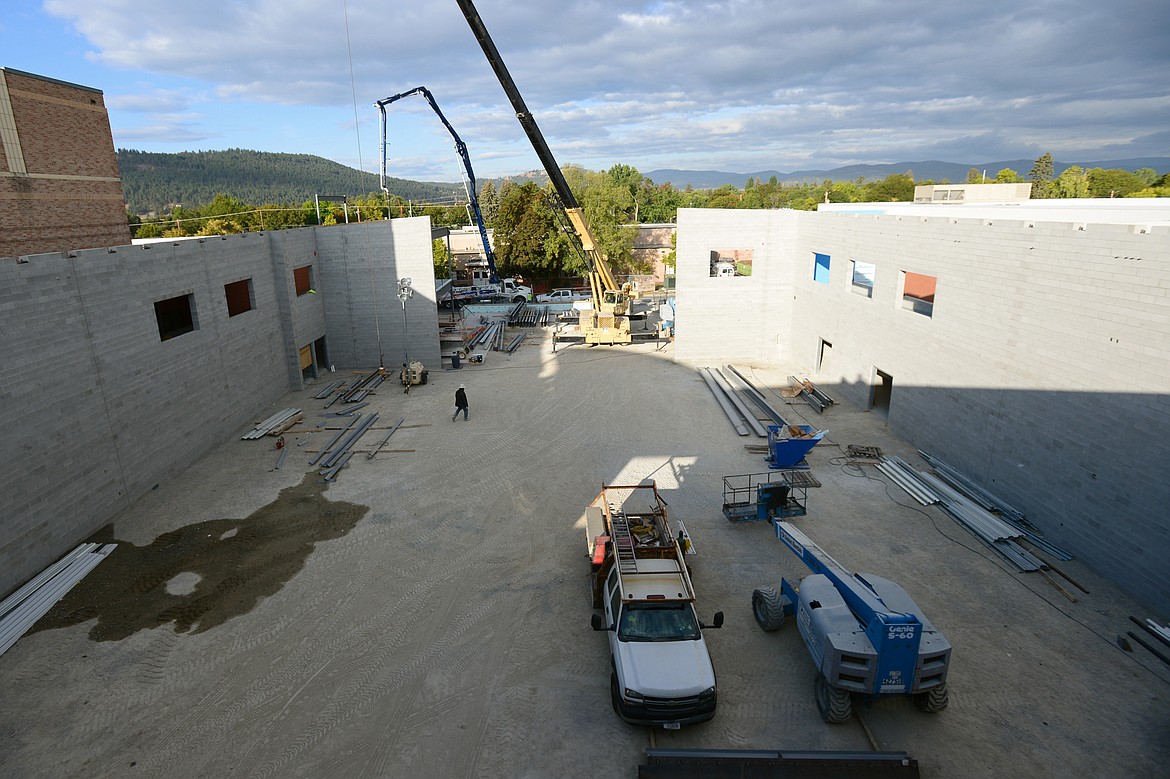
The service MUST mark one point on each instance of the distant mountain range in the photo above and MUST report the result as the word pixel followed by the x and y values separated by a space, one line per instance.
pixel 932 170
pixel 156 182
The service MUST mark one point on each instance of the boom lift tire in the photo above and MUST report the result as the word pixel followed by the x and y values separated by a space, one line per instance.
pixel 933 700
pixel 835 705
pixel 768 610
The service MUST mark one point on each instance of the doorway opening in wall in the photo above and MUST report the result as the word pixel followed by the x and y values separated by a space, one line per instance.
pixel 824 357
pixel 321 353
pixel 883 390
pixel 308 369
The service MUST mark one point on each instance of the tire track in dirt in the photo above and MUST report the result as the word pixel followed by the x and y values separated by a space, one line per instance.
pixel 202 725
pixel 365 688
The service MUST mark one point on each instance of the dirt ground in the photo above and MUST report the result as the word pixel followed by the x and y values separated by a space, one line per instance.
pixel 427 615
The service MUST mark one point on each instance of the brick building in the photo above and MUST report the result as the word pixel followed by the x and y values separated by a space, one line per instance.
pixel 59 183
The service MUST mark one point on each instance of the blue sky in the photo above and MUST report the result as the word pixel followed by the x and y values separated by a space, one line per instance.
pixel 734 85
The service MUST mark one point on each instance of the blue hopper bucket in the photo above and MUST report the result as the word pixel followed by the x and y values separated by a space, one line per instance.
pixel 786 452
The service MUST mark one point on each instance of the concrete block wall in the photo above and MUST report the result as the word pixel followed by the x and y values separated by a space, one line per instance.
pixel 360 265
pixel 97 407
pixel 304 314
pixel 728 319
pixel 1043 372
pixel 59 471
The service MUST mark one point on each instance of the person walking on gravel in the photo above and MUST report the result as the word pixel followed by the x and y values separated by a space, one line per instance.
pixel 460 403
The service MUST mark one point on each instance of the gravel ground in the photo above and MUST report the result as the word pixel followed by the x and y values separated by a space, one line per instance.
pixel 427 615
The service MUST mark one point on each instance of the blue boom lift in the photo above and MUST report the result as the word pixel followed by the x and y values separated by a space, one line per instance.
pixel 865 633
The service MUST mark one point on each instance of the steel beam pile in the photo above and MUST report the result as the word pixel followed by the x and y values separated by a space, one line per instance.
pixel 733 415
pixel 328 389
pixel 749 416
pixel 994 505
pixel 813 396
pixel 757 397
pixel 990 529
pixel 333 460
pixel 21 610
pixel 484 335
pixel 516 343
pixel 363 388
pixel 908 479
pixel 276 420
pixel 972 490
pixel 524 315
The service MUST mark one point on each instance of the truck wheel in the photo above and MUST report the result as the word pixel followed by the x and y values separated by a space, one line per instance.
pixel 613 693
pixel 766 607
pixel 933 700
pixel 519 299
pixel 835 705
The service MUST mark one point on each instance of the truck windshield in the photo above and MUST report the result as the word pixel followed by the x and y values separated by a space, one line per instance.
pixel 658 622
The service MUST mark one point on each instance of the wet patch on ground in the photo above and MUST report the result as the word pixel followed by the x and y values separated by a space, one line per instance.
pixel 202 575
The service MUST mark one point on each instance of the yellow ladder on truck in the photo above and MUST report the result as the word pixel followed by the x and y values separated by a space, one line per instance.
pixel 623 543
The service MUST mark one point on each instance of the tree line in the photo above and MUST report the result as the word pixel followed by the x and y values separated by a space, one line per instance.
pixel 155 182
pixel 532 238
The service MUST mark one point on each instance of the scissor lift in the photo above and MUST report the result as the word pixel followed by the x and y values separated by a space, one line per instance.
pixel 752 497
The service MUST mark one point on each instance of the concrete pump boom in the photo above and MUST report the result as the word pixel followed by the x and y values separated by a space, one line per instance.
pixel 461 149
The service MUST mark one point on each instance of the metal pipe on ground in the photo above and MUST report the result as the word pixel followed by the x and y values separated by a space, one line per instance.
pixel 374 451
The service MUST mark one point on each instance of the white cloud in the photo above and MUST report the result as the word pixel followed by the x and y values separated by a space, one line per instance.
pixel 779 84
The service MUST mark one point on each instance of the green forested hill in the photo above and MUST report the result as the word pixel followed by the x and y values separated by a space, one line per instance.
pixel 155 182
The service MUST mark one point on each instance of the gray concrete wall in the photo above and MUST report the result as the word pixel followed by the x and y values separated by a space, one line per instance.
pixel 360 266
pixel 97 409
pixel 1043 372
pixel 721 319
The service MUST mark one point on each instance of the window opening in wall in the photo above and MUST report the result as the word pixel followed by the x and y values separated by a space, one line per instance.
pixel 240 297
pixel 918 293
pixel 175 316
pixel 824 357
pixel 303 278
pixel 863 273
pixel 820 268
pixel 883 391
pixel 729 263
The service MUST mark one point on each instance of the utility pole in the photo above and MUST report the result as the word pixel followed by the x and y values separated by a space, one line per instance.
pixel 405 292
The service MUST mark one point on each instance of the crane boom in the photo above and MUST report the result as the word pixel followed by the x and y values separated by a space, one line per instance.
pixel 461 150
pixel 601 278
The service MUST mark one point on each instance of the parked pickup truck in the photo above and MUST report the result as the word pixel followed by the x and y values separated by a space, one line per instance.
pixel 563 296
pixel 661 673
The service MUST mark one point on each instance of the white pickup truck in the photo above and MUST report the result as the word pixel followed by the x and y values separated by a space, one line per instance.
pixel 563 296
pixel 661 671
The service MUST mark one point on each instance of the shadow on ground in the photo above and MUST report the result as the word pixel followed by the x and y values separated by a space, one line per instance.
pixel 202 575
